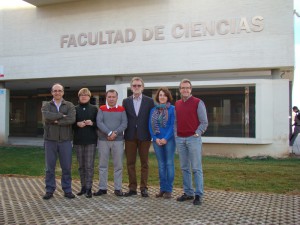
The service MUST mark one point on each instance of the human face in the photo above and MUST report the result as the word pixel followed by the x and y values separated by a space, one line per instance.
pixel 137 87
pixel 84 98
pixel 185 90
pixel 111 99
pixel 162 97
pixel 57 92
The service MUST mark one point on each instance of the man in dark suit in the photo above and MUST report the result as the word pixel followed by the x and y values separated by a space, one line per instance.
pixel 137 136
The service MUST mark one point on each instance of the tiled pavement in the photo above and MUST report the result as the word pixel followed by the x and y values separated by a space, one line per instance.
pixel 22 203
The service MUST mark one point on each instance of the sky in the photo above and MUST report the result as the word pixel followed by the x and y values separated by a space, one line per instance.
pixel 296 87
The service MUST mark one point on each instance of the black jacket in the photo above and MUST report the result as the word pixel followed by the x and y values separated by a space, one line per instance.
pixel 88 134
pixel 138 124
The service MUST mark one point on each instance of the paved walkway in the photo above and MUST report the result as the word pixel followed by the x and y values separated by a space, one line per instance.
pixel 21 203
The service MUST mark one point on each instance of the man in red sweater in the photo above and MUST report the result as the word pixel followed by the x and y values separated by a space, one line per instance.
pixel 188 131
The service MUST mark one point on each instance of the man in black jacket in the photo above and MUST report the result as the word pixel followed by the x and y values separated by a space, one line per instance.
pixel 137 136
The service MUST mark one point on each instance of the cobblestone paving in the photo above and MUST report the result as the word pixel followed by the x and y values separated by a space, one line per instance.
pixel 22 203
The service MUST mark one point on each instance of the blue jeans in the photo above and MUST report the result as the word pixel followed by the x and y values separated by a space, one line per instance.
pixel 165 158
pixel 190 157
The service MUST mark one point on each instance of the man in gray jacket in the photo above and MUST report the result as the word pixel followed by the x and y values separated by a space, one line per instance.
pixel 111 121
pixel 59 116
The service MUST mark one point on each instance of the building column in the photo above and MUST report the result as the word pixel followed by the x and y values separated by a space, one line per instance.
pixel 4 115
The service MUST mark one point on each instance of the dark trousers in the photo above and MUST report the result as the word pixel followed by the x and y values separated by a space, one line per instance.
pixel 294 135
pixel 86 158
pixel 64 152
pixel 131 149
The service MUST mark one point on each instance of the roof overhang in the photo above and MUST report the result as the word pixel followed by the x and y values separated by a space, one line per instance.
pixel 48 2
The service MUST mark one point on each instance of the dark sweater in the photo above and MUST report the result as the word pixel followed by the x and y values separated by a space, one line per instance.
pixel 88 134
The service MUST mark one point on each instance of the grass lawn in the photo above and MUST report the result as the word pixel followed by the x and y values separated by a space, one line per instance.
pixel 251 175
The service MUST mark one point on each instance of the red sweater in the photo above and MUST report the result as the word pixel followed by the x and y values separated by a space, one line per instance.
pixel 187 116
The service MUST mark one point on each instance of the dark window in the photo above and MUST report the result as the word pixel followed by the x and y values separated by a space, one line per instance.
pixel 230 110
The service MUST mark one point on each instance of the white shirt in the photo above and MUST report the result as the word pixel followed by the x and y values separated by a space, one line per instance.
pixel 137 101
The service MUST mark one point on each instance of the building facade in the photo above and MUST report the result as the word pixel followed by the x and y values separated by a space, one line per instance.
pixel 239 56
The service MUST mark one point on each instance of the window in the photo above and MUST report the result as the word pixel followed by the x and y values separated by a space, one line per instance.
pixel 230 110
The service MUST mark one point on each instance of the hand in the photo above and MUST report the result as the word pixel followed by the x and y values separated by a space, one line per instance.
pixel 81 124
pixel 88 122
pixel 163 141
pixel 109 138
pixel 113 136
pixel 159 142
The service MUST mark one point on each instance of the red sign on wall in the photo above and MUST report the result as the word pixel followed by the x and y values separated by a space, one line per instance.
pixel 1 71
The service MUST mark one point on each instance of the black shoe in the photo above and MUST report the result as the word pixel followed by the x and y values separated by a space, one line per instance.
pixel 88 193
pixel 197 200
pixel 130 193
pixel 69 195
pixel 48 195
pixel 184 197
pixel 82 191
pixel 100 192
pixel 119 193
pixel 144 193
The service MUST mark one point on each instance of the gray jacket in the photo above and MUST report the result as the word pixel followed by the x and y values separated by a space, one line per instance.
pixel 62 130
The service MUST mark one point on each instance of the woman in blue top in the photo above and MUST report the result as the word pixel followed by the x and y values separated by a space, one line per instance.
pixel 161 126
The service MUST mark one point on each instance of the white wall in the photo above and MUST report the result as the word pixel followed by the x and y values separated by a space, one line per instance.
pixel 32 38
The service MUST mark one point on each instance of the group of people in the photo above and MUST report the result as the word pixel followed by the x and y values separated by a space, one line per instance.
pixel 138 122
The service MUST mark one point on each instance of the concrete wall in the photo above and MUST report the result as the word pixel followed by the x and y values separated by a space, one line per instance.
pixel 37 39
pixel 4 115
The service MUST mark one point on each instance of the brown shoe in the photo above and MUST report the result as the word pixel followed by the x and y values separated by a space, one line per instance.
pixel 167 195
pixel 160 194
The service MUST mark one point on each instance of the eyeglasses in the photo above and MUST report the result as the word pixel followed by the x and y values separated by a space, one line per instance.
pixel 59 91
pixel 185 88
pixel 136 85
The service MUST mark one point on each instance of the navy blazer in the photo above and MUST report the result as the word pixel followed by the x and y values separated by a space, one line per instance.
pixel 138 124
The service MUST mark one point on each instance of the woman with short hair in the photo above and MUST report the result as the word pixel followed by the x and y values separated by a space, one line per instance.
pixel 85 140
